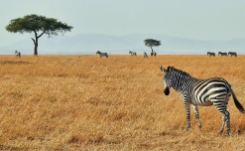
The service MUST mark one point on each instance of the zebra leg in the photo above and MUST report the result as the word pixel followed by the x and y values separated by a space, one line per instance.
pixel 225 116
pixel 225 119
pixel 195 108
pixel 228 126
pixel 188 117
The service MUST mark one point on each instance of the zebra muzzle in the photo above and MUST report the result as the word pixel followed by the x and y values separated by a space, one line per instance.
pixel 166 91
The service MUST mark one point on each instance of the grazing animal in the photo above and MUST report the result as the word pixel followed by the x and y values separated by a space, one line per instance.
pixel 132 53
pixel 222 54
pixel 145 55
pixel 204 92
pixel 18 54
pixel 154 53
pixel 232 53
pixel 211 54
pixel 102 54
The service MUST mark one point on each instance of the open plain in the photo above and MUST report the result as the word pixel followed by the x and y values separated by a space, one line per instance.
pixel 82 102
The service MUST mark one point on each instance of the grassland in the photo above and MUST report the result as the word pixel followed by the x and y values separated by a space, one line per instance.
pixel 87 103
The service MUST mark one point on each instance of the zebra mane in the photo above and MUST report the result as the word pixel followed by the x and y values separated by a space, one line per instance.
pixel 171 68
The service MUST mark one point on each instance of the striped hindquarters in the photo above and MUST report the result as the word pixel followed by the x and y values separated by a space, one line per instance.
pixel 206 91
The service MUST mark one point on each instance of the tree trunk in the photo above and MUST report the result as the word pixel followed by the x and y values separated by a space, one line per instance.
pixel 35 49
pixel 151 51
pixel 35 41
pixel 35 45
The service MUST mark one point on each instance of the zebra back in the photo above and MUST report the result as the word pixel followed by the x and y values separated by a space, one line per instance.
pixel 222 53
pixel 232 53
pixel 102 54
pixel 211 54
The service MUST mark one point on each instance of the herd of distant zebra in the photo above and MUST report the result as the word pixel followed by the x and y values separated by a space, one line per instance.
pixel 132 53
pixel 231 53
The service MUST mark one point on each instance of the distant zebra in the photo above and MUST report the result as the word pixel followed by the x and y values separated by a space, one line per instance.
pixel 102 54
pixel 145 55
pixel 132 53
pixel 222 54
pixel 211 54
pixel 18 54
pixel 232 53
pixel 154 53
pixel 204 92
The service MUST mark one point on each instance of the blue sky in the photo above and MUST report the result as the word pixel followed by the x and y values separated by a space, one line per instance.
pixel 193 19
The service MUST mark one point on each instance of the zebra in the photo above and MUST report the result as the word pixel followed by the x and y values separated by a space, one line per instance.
pixel 132 53
pixel 211 54
pixel 18 54
pixel 232 53
pixel 145 55
pixel 102 54
pixel 222 54
pixel 153 53
pixel 205 92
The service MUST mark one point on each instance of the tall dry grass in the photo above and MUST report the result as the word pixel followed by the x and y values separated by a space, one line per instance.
pixel 88 103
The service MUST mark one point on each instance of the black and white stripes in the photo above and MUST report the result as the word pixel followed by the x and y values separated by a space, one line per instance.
pixel 222 53
pixel 102 54
pixel 204 92
pixel 18 54
pixel 211 54
pixel 154 53
pixel 232 53
pixel 132 53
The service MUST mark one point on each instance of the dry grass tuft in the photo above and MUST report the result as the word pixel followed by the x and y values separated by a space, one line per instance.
pixel 88 103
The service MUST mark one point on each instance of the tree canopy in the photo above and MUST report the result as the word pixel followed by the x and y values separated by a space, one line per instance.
pixel 39 25
pixel 152 43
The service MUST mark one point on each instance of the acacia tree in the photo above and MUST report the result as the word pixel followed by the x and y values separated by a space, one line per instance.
pixel 152 43
pixel 39 25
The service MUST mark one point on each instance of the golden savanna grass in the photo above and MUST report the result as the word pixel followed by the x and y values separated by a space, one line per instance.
pixel 86 103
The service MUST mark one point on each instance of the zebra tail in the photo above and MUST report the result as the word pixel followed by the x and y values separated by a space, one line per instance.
pixel 237 103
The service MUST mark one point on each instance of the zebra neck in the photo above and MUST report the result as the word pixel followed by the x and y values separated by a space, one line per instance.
pixel 181 82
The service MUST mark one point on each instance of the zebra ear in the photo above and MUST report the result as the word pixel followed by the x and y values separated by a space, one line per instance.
pixel 170 68
pixel 162 69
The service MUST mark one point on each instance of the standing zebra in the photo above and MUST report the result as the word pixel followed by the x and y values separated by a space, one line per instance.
pixel 18 54
pixel 102 54
pixel 204 92
pixel 132 53
pixel 145 55
pixel 222 54
pixel 232 53
pixel 154 53
pixel 211 54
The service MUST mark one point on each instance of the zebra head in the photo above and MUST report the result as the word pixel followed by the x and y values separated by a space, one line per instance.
pixel 98 52
pixel 167 79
